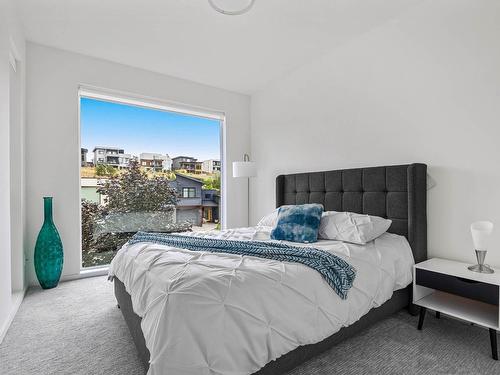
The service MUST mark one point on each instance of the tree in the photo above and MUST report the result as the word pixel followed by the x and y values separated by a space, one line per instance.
pixel 212 183
pixel 135 191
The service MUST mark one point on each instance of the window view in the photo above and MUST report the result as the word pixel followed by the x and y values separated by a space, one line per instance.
pixel 144 169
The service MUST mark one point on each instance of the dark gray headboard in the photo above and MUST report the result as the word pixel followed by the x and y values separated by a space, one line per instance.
pixel 395 192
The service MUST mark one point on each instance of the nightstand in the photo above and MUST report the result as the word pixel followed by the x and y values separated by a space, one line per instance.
pixel 448 287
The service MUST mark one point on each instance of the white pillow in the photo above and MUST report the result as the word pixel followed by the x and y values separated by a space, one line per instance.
pixel 269 220
pixel 352 227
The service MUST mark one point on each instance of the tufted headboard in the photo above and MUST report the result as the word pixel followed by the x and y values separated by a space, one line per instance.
pixel 395 192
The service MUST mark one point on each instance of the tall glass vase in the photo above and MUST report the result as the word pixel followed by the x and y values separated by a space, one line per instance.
pixel 49 254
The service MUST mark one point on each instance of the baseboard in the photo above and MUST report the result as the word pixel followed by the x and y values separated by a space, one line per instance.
pixel 90 272
pixel 17 299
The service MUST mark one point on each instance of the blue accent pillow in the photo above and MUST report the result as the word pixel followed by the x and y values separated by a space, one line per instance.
pixel 299 223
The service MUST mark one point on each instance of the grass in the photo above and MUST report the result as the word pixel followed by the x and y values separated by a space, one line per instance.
pixel 89 172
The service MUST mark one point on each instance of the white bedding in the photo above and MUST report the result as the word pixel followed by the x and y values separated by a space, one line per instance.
pixel 206 313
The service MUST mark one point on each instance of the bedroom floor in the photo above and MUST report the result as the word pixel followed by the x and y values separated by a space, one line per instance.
pixel 77 329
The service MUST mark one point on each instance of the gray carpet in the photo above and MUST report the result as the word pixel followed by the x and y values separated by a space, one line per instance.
pixel 77 329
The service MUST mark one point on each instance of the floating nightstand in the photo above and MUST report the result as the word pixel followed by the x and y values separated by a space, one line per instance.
pixel 449 287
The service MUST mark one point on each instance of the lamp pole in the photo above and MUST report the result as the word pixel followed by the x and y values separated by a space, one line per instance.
pixel 246 158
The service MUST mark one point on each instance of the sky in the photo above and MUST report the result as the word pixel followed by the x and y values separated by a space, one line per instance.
pixel 137 130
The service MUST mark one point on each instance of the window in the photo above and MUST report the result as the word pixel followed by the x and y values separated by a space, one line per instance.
pixel 154 194
pixel 189 192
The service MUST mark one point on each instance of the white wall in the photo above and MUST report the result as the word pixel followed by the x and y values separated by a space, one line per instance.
pixel 17 196
pixel 12 185
pixel 5 286
pixel 422 88
pixel 52 139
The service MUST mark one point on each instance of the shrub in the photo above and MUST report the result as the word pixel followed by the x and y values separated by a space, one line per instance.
pixel 100 170
pixel 90 213
pixel 212 183
pixel 105 170
pixel 134 191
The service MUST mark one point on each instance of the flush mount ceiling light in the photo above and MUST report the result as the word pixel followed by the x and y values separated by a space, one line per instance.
pixel 231 7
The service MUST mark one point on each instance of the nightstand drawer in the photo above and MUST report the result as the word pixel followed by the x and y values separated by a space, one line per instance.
pixel 462 287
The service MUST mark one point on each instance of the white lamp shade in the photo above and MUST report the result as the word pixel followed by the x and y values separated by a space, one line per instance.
pixel 481 233
pixel 244 169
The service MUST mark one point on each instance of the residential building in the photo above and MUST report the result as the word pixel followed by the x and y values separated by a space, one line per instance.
pixel 113 156
pixel 88 189
pixel 187 163
pixel 167 163
pixel 154 161
pixel 210 200
pixel 189 205
pixel 195 204
pixel 83 156
pixel 210 166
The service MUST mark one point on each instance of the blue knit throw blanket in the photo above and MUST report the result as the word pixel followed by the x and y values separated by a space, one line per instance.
pixel 337 272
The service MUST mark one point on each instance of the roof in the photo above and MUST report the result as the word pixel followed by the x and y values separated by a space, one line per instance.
pixel 188 177
pixel 213 191
pixel 152 155
pixel 106 148
pixel 186 157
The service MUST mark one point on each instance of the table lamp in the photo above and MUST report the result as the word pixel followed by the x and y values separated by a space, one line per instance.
pixel 481 233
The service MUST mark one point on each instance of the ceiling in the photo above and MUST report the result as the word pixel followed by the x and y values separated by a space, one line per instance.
pixel 188 39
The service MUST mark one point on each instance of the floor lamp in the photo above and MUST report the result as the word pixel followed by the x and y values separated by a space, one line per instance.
pixel 246 169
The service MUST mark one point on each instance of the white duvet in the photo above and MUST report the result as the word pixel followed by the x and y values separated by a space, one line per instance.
pixel 207 313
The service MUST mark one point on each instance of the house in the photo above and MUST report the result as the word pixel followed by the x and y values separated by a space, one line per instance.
pixel 210 166
pixel 113 156
pixel 88 189
pixel 211 202
pixel 195 204
pixel 187 163
pixel 189 205
pixel 167 163
pixel 83 156
pixel 157 162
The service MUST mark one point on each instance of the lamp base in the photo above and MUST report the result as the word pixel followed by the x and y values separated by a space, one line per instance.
pixel 481 268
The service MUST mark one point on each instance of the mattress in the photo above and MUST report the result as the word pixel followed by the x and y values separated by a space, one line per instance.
pixel 206 313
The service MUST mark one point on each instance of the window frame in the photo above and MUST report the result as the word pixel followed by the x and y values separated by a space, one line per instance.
pixel 189 190
pixel 120 97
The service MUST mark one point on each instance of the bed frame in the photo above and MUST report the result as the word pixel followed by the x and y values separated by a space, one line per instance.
pixel 397 192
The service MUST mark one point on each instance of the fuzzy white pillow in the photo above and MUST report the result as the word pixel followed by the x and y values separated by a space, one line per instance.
pixel 269 220
pixel 352 227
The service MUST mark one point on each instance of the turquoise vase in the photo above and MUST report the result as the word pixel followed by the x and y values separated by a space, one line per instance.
pixel 49 254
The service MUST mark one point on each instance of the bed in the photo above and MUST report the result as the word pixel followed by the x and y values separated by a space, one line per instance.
pixel 394 192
